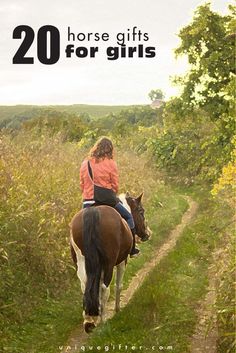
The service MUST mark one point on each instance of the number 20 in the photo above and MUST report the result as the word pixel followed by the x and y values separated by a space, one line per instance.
pixel 54 55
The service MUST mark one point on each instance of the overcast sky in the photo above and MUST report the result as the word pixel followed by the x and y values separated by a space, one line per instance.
pixel 94 81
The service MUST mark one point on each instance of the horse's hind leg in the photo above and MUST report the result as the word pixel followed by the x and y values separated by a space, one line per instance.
pixel 80 263
pixel 105 292
pixel 120 270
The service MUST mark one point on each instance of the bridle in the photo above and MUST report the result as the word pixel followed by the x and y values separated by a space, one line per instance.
pixel 140 211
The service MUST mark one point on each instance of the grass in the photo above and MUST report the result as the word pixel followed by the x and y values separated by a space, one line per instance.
pixel 48 326
pixel 162 312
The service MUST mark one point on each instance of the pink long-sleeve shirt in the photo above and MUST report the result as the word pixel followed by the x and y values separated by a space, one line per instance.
pixel 105 174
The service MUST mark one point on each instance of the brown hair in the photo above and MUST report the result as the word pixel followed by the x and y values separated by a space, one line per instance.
pixel 103 148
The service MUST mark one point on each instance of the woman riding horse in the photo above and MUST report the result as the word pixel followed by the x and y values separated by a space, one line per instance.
pixel 100 238
pixel 99 172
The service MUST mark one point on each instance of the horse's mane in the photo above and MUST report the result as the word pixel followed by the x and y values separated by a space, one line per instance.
pixel 122 197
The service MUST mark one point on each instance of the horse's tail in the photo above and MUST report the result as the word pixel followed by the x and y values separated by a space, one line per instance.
pixel 94 259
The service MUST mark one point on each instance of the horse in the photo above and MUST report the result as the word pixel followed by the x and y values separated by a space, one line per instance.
pixel 100 240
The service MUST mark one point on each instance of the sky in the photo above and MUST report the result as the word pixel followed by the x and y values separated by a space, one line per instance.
pixel 94 80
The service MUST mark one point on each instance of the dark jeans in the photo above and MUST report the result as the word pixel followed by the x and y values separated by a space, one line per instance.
pixel 123 212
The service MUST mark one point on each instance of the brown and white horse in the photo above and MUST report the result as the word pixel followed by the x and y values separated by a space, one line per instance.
pixel 100 240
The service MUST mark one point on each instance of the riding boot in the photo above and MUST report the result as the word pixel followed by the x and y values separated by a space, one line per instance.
pixel 134 251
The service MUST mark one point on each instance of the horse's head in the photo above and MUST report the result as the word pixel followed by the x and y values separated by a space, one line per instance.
pixel 137 210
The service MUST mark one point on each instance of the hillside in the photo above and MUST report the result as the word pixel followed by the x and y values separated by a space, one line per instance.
pixel 12 116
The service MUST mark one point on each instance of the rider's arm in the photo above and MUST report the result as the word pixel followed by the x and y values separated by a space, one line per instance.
pixel 114 176
pixel 81 178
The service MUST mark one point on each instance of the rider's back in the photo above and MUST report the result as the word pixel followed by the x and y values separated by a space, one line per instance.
pixel 105 174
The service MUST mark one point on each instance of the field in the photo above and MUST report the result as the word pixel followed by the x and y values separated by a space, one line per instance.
pixel 37 276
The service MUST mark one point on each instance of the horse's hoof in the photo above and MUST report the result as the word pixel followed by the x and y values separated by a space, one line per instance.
pixel 89 326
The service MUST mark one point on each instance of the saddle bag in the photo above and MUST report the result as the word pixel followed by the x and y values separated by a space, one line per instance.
pixel 103 196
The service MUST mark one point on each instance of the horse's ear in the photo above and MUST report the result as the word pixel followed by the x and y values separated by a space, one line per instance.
pixel 127 194
pixel 139 198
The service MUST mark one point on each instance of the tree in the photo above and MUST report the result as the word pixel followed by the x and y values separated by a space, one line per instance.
pixel 209 45
pixel 197 138
pixel 156 94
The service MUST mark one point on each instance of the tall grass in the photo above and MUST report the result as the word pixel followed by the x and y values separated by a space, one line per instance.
pixel 225 290
pixel 39 188
pixel 39 179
